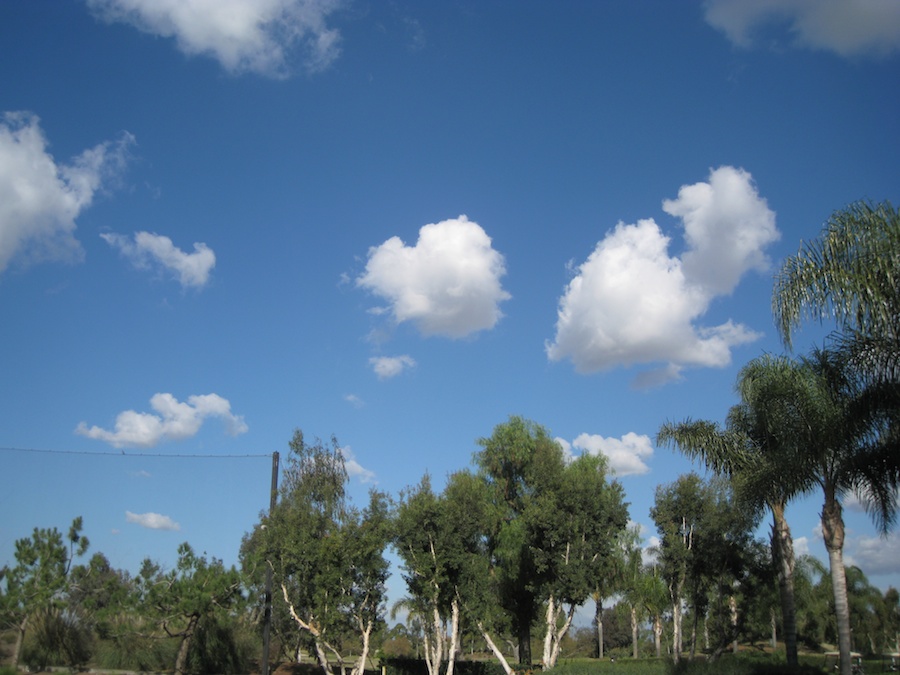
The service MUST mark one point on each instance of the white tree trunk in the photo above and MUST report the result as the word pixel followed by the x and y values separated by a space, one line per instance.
pixel 550 629
pixel 634 632
pixel 657 634
pixel 454 636
pixel 497 653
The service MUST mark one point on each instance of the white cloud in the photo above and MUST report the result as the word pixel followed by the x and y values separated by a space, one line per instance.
pixel 874 555
pixel 354 400
pixel 242 36
pixel 147 250
pixel 386 367
pixel 152 521
pixel 846 27
pixel 801 546
pixel 727 225
pixel 447 284
pixel 631 302
pixel 568 455
pixel 626 455
pixel 174 421
pixel 40 199
pixel 354 468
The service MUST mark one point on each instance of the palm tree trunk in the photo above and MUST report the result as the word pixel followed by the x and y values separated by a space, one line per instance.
pixel 783 557
pixel 833 532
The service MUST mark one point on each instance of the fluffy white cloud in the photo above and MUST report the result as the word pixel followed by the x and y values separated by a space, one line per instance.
pixel 354 468
pixel 726 227
pixel 846 27
pixel 148 250
pixel 40 199
pixel 874 555
pixel 386 367
pixel 152 521
pixel 174 421
pixel 632 302
pixel 627 455
pixel 243 36
pixel 447 284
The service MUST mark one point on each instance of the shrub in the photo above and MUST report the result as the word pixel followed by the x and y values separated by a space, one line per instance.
pixel 58 638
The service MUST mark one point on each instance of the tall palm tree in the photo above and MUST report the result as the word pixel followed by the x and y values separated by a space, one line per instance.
pixel 852 273
pixel 748 450
pixel 836 444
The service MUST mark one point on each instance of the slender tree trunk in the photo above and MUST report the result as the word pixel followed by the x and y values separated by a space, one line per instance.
pixel 732 605
pixel 20 640
pixel 783 558
pixel 598 622
pixel 523 633
pixel 696 619
pixel 550 620
pixel 657 634
pixel 676 622
pixel 454 636
pixel 774 621
pixel 185 647
pixel 833 532
pixel 497 653
pixel 366 634
pixel 634 632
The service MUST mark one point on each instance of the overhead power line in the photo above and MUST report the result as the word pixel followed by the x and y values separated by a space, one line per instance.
pixel 123 453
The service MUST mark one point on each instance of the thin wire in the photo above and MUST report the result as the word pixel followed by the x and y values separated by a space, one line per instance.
pixel 122 453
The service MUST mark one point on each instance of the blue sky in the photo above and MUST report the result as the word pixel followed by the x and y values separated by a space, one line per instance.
pixel 400 223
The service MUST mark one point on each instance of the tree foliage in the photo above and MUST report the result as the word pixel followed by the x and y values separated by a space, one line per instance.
pixel 327 556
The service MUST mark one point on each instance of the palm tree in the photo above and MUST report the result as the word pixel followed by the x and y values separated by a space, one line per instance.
pixel 749 452
pixel 832 440
pixel 852 273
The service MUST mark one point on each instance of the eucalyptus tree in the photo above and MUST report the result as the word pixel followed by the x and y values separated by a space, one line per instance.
pixel 677 512
pixel 634 586
pixel 326 555
pixel 40 578
pixel 704 539
pixel 518 463
pixel 439 539
pixel 553 527
pixel 575 533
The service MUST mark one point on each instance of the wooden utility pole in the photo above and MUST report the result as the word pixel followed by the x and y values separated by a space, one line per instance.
pixel 267 617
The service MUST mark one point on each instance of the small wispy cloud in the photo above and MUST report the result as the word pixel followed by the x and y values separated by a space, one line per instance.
pixel 148 251
pixel 846 27
pixel 354 400
pixel 386 367
pixel 152 521
pixel 354 468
